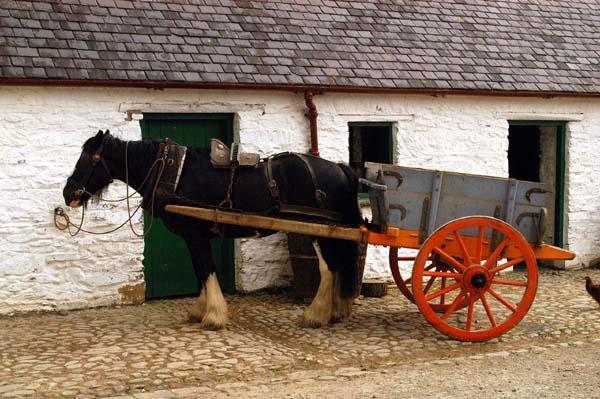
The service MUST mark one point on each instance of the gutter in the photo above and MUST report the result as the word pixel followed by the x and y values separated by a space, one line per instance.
pixel 160 85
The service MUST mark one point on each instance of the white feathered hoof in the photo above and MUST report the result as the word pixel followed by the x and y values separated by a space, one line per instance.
pixel 315 319
pixel 194 315
pixel 214 321
pixel 216 308
pixel 342 307
pixel 197 312
pixel 342 310
pixel 318 313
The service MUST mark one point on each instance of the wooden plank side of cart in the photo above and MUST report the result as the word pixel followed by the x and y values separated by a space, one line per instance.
pixel 393 237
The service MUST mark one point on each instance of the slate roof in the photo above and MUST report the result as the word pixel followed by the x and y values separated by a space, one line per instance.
pixel 512 45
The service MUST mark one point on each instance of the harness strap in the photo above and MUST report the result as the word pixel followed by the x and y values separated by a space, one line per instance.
pixel 165 179
pixel 320 195
pixel 300 210
pixel 270 181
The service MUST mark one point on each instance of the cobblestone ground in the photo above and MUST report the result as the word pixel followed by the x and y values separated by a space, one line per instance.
pixel 150 351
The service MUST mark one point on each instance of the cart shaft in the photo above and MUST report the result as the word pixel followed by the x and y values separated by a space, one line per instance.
pixel 393 237
pixel 270 223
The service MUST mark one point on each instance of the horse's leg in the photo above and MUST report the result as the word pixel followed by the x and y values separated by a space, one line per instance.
pixel 198 310
pixel 340 256
pixel 318 312
pixel 210 307
pixel 342 307
pixel 216 307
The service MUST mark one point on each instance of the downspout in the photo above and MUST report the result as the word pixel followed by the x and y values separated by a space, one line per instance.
pixel 312 117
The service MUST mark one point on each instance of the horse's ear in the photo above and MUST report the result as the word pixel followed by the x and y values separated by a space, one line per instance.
pixel 106 132
pixel 99 138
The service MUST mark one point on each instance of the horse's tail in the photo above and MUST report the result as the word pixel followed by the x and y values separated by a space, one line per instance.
pixel 351 270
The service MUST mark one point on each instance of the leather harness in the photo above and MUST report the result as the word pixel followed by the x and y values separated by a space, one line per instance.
pixel 164 182
pixel 165 179
pixel 300 210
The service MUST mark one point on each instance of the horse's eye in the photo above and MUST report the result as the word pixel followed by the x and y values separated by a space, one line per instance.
pixel 96 157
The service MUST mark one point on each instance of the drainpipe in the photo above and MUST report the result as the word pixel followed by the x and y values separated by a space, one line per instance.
pixel 312 117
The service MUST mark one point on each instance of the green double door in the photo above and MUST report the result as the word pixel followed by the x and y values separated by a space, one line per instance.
pixel 167 264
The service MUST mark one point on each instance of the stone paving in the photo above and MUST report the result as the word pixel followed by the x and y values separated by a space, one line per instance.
pixel 150 351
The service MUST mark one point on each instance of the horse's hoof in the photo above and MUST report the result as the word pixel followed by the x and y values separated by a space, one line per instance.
pixel 194 316
pixel 211 327
pixel 341 310
pixel 213 322
pixel 314 322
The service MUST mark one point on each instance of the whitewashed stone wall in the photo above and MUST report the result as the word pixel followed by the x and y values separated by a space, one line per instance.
pixel 42 129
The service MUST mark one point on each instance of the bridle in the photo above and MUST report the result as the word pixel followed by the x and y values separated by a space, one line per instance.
pixel 81 185
pixel 97 158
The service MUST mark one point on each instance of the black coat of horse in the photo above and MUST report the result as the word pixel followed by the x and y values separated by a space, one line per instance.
pixel 301 181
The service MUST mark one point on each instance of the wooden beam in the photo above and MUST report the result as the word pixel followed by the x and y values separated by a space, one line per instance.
pixel 393 237
pixel 550 252
pixel 270 223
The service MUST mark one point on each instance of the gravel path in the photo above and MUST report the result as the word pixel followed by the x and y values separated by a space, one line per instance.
pixel 149 351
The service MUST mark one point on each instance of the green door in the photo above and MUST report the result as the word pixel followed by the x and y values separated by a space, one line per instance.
pixel 167 265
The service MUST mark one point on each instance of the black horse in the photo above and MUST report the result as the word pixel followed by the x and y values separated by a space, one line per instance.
pixel 303 186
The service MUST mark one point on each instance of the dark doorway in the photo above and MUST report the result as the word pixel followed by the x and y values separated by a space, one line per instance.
pixel 524 153
pixel 369 142
pixel 537 152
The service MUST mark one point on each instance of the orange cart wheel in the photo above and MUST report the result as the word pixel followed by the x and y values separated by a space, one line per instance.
pixel 481 252
pixel 404 281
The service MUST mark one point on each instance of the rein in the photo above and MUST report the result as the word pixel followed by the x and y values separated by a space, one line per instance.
pixel 59 212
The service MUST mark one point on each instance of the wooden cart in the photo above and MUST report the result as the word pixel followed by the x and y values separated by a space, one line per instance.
pixel 478 238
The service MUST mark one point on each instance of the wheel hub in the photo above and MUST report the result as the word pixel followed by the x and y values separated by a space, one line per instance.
pixel 477 279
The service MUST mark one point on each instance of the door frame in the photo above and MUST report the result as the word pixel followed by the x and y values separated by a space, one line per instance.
pixel 226 276
pixel 560 178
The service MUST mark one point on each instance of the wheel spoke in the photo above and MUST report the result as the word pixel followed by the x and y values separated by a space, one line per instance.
pixel 472 255
pixel 488 310
pixel 509 282
pixel 501 299
pixel 442 274
pixel 454 305
pixel 443 297
pixel 428 285
pixel 405 258
pixel 431 266
pixel 442 292
pixel 472 299
pixel 425 273
pixel 479 253
pixel 507 265
pixel 463 247
pixel 450 259
pixel 496 254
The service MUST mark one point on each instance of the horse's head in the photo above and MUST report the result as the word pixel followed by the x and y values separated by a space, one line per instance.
pixel 91 173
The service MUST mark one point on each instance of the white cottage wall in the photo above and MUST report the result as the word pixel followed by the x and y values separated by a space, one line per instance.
pixel 42 129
